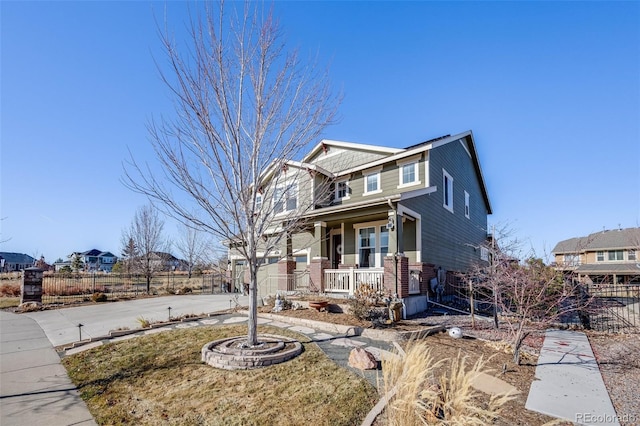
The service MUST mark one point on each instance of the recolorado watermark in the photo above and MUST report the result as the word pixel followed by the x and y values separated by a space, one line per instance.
pixel 586 418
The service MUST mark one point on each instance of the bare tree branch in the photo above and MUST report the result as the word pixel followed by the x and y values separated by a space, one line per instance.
pixel 244 106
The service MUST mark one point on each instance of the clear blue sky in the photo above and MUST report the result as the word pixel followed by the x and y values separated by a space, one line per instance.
pixel 551 91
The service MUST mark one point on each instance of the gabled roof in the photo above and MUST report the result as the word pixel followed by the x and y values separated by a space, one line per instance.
pixel 350 145
pixel 431 144
pixel 628 238
pixel 92 252
pixel 11 257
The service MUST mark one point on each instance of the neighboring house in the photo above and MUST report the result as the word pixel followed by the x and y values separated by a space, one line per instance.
pixel 11 262
pixel 425 205
pixel 609 256
pixel 93 260
pixel 162 261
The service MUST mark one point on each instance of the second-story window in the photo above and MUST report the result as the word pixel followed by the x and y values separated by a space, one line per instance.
pixel 342 190
pixel 600 256
pixel 409 175
pixel 447 191
pixel 631 255
pixel 285 198
pixel 258 202
pixel 615 255
pixel 467 212
pixel 372 182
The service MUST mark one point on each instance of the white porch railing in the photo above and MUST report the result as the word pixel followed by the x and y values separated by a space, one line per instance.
pixel 348 280
pixel 298 281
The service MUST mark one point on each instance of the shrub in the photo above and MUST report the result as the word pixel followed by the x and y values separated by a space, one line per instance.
pixel 99 297
pixel 10 290
pixel 365 300
pixel 144 323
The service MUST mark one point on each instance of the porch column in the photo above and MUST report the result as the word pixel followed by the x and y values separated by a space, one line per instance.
pixel 396 243
pixel 319 259
pixel 319 245
pixel 316 274
pixel 396 271
pixel 286 266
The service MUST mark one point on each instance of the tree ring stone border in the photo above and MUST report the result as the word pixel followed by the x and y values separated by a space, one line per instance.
pixel 229 354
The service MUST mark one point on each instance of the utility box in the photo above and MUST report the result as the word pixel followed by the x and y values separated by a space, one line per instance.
pixel 31 289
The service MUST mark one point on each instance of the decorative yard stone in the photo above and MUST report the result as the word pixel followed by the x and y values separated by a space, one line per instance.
pixel 361 359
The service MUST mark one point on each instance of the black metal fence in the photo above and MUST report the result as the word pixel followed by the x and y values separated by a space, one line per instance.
pixel 70 288
pixel 615 308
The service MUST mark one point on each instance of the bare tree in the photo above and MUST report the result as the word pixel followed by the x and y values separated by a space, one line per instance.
pixel 145 232
pixel 526 294
pixel 244 106
pixel 192 246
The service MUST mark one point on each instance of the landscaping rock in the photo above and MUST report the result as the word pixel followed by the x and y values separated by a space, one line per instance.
pixel 362 360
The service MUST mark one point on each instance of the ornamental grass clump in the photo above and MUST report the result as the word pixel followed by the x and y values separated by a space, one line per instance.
pixel 428 391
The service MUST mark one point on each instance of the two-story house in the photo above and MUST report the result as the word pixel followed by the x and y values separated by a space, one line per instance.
pixel 609 256
pixel 391 218
pixel 93 260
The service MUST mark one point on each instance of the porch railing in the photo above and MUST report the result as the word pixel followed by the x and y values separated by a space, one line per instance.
pixel 298 281
pixel 348 280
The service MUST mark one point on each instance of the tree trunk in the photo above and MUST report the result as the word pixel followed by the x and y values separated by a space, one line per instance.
pixel 252 335
pixel 520 336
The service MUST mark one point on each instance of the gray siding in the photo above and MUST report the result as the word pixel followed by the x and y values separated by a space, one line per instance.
pixel 447 238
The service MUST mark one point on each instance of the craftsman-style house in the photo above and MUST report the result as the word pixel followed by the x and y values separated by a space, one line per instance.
pixel 608 256
pixel 391 218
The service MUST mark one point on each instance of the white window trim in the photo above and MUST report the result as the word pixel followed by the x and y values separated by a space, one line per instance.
pixel 404 211
pixel 426 168
pixel 450 191
pixel 405 162
pixel 286 212
pixel 467 206
pixel 373 171
pixel 335 190
pixel 376 225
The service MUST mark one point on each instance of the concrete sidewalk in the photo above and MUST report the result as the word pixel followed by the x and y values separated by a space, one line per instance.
pixel 34 387
pixel 569 385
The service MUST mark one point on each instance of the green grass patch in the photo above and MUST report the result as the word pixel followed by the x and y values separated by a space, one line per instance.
pixel 9 302
pixel 159 379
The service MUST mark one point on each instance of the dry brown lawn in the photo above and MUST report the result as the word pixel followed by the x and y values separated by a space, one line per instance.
pixel 159 379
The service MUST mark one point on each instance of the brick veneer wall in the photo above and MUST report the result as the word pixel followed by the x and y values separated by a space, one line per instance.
pixel 285 270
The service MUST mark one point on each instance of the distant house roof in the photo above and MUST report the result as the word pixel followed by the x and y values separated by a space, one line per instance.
pixel 92 252
pixel 106 254
pixel 21 258
pixel 628 238
pixel 165 256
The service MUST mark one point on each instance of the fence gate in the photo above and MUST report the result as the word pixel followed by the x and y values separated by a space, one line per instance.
pixel 615 308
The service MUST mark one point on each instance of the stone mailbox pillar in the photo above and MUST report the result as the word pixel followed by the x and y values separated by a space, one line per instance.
pixel 31 290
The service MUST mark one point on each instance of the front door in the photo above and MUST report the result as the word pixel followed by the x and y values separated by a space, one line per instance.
pixel 336 250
